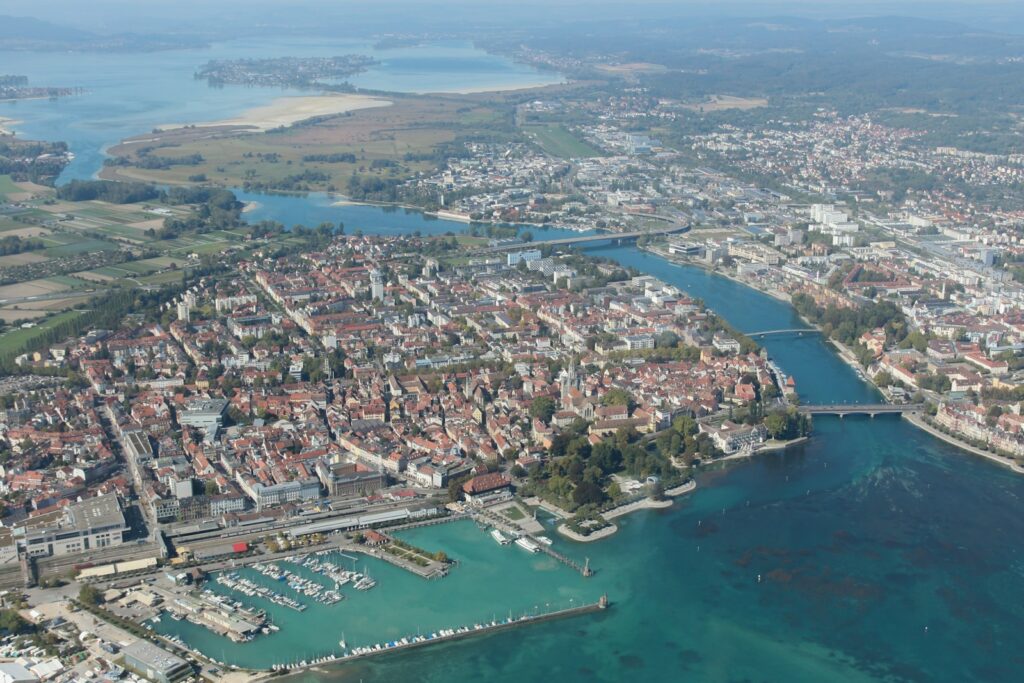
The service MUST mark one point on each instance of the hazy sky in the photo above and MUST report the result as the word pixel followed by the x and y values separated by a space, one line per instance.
pixel 173 15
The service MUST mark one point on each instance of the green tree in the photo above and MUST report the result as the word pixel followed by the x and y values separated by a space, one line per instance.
pixel 776 424
pixel 542 408
pixel 90 595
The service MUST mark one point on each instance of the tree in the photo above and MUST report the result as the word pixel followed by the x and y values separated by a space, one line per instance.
pixel 542 408
pixel 14 623
pixel 617 397
pixel 776 424
pixel 588 492
pixel 90 595
pixel 211 488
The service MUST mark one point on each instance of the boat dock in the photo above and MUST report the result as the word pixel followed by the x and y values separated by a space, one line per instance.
pixel 488 518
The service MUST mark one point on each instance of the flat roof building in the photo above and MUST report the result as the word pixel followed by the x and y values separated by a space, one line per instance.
pixel 92 524
pixel 155 663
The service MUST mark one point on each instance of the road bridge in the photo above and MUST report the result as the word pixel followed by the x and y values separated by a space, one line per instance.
pixel 794 330
pixel 872 409
pixel 583 239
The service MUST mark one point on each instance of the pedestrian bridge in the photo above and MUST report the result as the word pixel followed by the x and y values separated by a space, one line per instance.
pixel 871 409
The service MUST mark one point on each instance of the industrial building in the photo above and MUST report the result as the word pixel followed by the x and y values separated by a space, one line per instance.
pixel 155 663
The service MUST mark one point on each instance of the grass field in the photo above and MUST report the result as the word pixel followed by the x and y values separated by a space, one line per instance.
pixel 72 244
pixel 17 341
pixel 557 141
pixel 7 186
pixel 164 278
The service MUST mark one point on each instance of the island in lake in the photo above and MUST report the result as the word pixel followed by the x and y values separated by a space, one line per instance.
pixel 287 72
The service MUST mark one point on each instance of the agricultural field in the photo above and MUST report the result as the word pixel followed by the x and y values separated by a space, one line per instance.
pixel 71 245
pixel 559 142
pixel 128 222
pixel 22 258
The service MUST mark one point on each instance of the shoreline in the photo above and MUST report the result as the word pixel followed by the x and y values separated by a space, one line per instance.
pixel 771 446
pixel 622 510
pixel 918 422
pixel 6 126
pixel 287 111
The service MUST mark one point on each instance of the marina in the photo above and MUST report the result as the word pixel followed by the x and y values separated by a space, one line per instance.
pixel 290 590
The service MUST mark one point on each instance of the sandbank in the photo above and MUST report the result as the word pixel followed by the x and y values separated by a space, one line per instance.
pixel 285 111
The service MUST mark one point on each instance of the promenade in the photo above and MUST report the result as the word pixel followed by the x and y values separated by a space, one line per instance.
pixel 918 421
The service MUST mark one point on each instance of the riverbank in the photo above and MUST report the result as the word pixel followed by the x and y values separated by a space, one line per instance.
pixel 676 260
pixel 919 422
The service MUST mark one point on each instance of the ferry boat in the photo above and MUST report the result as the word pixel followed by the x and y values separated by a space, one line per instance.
pixel 528 545
pixel 545 540
pixel 501 538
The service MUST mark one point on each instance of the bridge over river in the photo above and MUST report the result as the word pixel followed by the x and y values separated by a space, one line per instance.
pixel 793 330
pixel 583 239
pixel 871 409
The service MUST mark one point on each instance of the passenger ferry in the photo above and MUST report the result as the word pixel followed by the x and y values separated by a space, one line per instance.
pixel 526 544
pixel 501 538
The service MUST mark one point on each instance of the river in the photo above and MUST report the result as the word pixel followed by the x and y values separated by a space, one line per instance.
pixel 873 552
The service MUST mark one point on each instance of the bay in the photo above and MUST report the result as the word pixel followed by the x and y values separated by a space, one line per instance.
pixel 129 95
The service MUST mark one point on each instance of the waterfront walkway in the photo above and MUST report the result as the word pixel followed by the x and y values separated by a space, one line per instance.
pixel 919 422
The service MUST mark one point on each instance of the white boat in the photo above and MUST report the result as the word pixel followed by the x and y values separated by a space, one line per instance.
pixel 500 537
pixel 545 540
pixel 526 544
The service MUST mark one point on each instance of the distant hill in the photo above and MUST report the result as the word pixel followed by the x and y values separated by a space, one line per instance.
pixel 26 33
pixel 27 29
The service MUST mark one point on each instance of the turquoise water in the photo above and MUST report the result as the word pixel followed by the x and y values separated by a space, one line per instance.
pixel 131 94
pixel 490 583
pixel 883 555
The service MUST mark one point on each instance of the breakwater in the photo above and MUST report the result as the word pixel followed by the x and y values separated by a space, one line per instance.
pixel 446 635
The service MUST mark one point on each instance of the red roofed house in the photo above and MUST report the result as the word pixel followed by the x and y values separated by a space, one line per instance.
pixel 487 488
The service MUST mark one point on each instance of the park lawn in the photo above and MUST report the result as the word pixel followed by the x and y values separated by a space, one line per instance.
pixel 559 142
pixel 16 342
pixel 7 186
pixel 513 513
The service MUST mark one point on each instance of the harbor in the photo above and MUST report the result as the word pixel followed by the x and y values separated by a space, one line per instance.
pixel 303 618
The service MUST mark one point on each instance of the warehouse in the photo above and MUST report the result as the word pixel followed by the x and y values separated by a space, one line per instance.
pixel 155 663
